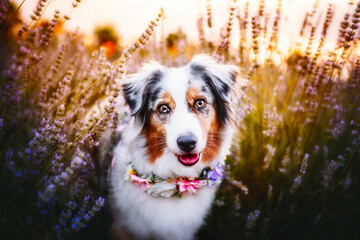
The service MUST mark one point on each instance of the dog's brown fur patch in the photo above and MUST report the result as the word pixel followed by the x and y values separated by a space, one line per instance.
pixel 155 136
pixel 209 124
pixel 213 141
pixel 192 94
pixel 155 133
pixel 169 100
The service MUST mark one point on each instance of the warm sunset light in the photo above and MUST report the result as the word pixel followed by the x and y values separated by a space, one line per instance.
pixel 129 17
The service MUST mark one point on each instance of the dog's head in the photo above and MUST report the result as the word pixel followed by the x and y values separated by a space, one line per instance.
pixel 183 115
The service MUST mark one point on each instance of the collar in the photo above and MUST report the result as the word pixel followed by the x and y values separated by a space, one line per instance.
pixel 157 186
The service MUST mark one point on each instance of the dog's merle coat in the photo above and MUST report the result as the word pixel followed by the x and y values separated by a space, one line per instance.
pixel 197 100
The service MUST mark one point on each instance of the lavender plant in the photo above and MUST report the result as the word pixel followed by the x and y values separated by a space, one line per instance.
pixel 50 129
pixel 297 150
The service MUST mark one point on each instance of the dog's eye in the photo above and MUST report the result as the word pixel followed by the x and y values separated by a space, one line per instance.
pixel 200 104
pixel 163 109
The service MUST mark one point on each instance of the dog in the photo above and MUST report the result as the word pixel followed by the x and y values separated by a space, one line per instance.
pixel 168 165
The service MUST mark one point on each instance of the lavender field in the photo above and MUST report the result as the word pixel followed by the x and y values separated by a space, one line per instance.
pixel 294 168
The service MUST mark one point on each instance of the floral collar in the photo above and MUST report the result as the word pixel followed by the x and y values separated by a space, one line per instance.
pixel 157 186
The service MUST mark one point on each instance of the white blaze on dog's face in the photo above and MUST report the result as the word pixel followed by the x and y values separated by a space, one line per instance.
pixel 183 113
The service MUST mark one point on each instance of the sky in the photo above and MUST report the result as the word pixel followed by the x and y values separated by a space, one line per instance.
pixel 130 17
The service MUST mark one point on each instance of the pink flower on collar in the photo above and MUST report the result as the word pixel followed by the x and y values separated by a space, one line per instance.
pixel 140 181
pixel 190 185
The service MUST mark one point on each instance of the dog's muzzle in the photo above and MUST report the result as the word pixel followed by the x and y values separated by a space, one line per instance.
pixel 187 143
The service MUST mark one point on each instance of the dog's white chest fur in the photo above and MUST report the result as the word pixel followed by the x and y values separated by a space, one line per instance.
pixel 158 217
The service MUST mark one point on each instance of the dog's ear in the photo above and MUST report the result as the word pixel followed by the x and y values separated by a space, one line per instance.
pixel 138 88
pixel 219 77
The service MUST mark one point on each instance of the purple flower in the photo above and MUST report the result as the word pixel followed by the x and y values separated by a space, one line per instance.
pixel 9 154
pixel 215 174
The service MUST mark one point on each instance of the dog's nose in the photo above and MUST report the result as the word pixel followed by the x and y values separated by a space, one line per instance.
pixel 187 143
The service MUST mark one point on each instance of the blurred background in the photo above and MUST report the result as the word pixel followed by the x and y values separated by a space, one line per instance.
pixel 127 18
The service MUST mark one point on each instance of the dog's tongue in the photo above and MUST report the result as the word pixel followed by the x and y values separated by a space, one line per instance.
pixel 189 159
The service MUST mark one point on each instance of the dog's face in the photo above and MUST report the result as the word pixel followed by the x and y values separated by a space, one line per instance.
pixel 183 115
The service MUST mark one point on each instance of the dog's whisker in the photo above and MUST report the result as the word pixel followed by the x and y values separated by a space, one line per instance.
pixel 215 132
pixel 157 145
pixel 211 137
pixel 213 141
pixel 159 137
pixel 209 149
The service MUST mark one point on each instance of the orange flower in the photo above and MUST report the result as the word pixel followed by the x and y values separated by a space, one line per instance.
pixel 110 48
